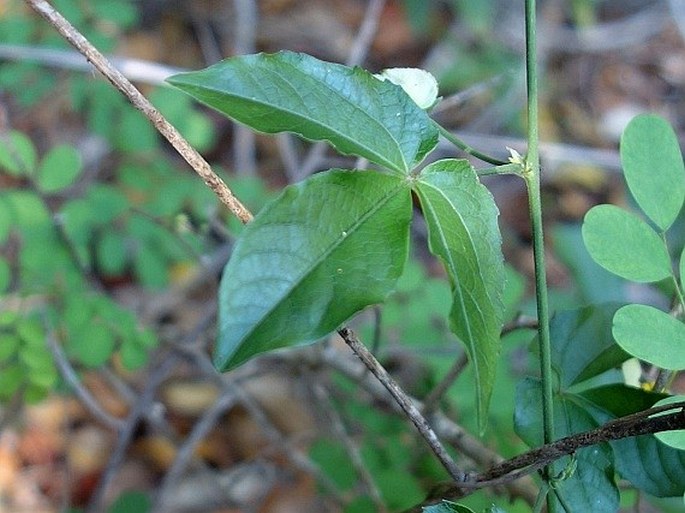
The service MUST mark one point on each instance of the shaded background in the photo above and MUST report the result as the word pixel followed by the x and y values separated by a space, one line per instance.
pixel 113 280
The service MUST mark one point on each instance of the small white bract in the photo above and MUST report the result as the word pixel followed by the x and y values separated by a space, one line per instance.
pixel 515 157
pixel 419 84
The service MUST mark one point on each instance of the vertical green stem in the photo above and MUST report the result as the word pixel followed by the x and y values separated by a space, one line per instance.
pixel 532 178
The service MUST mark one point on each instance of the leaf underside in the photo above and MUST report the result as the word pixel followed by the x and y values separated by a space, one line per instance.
pixel 462 225
pixel 322 251
pixel 293 92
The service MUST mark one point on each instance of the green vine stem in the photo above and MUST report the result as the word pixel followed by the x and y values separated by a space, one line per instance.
pixel 532 177
pixel 466 148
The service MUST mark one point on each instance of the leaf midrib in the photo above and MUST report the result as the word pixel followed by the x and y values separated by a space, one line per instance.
pixel 452 265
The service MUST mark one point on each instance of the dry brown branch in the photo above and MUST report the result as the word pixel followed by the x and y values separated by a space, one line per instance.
pixel 118 80
pixel 405 402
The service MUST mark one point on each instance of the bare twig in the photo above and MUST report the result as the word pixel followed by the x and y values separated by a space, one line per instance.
pixel 432 400
pixel 196 161
pixel 649 421
pixel 245 26
pixel 352 448
pixel 208 420
pixel 155 379
pixel 360 47
pixel 204 276
pixel 453 434
pixel 298 458
pixel 405 402
pixel 69 375
pixel 288 152
pixel 366 33
pixel 139 70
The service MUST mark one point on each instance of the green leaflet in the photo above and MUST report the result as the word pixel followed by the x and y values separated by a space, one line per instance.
pixel 462 225
pixel 320 252
pixel 653 167
pixel 624 244
pixel 59 168
pixel 357 113
pixel 651 335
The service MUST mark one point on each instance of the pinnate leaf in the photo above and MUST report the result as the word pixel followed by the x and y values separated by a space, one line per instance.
pixel 653 167
pixel 651 335
pixel 356 112
pixel 625 245
pixel 320 252
pixel 462 226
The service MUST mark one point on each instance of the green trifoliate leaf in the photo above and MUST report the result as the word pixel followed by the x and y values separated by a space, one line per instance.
pixel 653 167
pixel 651 335
pixel 461 216
pixel 624 244
pixel 320 252
pixel 293 92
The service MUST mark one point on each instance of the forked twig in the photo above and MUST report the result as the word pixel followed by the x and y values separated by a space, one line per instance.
pixel 118 80
pixel 404 402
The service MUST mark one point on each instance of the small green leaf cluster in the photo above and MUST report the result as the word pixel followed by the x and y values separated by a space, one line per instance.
pixel 588 344
pixel 26 368
pixel 101 21
pixel 336 243
pixel 590 391
pixel 390 458
pixel 68 234
pixel 58 240
pixel 95 328
pixel 630 247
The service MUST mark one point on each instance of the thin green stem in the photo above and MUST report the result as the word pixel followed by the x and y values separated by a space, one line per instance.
pixel 505 169
pixel 665 377
pixel 466 148
pixel 532 178
pixel 674 279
